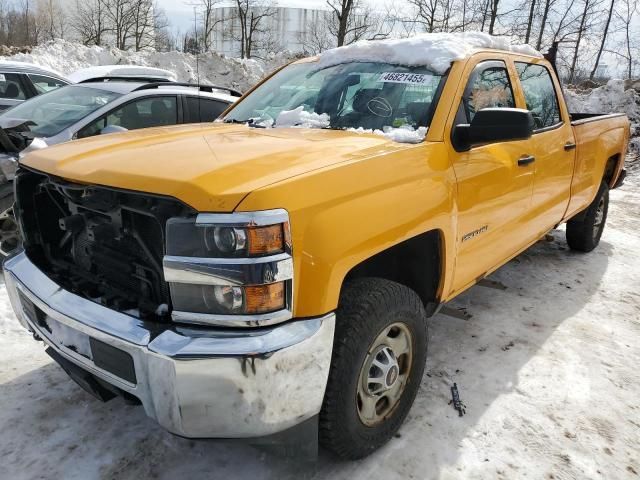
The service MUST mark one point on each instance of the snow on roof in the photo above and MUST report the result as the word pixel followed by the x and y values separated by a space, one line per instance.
pixel 435 50
pixel 120 71
pixel 27 65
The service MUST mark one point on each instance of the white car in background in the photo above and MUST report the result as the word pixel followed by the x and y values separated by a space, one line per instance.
pixel 20 81
pixel 93 107
pixel 122 73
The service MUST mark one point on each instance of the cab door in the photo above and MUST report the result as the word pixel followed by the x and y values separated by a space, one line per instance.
pixel 494 181
pixel 553 144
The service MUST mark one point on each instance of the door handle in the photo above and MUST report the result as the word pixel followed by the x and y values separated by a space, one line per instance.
pixel 526 160
pixel 569 146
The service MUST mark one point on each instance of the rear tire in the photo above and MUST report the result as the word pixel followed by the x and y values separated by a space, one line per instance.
pixel 584 235
pixel 379 355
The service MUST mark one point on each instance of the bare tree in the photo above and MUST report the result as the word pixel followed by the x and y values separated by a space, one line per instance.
pixel 351 20
pixel 208 21
pixel 252 18
pixel 585 17
pixel 145 18
pixel 530 18
pixel 427 12
pixel 89 21
pixel 120 18
pixel 545 15
pixel 603 40
pixel 51 19
pixel 625 17
pixel 315 37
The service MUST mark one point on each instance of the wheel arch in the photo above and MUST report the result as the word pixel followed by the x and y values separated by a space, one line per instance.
pixel 612 168
pixel 417 263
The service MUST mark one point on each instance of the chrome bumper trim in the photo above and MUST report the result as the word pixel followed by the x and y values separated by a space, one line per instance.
pixel 202 382
pixel 228 271
pixel 261 320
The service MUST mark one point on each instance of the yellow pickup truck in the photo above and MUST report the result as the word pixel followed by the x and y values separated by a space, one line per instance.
pixel 270 275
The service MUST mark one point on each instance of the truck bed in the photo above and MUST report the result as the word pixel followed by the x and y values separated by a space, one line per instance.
pixel 580 118
pixel 601 144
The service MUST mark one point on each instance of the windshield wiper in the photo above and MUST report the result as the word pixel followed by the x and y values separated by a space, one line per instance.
pixel 234 120
pixel 252 122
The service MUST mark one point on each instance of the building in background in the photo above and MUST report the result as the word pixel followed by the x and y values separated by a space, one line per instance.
pixel 283 28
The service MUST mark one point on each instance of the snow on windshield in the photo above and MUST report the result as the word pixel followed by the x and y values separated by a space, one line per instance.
pixel 299 118
pixel 435 50
pixel 404 134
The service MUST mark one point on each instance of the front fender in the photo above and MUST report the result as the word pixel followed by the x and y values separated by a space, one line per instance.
pixel 346 213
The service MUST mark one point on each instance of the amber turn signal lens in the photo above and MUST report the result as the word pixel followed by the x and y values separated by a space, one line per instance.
pixel 264 298
pixel 265 240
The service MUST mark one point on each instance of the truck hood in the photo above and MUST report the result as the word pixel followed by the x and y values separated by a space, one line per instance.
pixel 210 167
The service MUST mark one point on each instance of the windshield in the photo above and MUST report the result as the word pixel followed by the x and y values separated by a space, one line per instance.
pixel 371 96
pixel 54 111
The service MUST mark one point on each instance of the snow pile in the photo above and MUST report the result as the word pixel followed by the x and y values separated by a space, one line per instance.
pixel 610 98
pixel 404 134
pixel 299 118
pixel 68 57
pixel 436 50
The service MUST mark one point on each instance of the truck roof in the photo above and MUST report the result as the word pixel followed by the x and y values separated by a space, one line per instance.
pixel 434 50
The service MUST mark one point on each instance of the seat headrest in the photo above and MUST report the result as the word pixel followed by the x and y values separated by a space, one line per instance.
pixel 158 108
pixel 12 91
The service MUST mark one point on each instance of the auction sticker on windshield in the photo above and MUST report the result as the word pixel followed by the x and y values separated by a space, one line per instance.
pixel 399 77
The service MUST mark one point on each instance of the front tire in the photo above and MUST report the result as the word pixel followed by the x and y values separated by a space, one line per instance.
pixel 584 235
pixel 379 355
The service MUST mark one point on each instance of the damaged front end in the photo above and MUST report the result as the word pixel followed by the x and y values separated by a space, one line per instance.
pixel 102 244
pixel 95 284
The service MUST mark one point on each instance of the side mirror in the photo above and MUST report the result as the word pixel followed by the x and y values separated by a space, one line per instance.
pixel 112 129
pixel 493 125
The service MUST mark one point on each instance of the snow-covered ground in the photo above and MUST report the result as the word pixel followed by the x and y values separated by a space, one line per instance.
pixel 547 368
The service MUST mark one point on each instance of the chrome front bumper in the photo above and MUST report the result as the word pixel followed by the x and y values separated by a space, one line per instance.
pixel 217 383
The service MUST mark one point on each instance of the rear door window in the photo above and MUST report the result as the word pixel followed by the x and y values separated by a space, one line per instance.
pixel 539 94
pixel 205 109
pixel 145 113
pixel 11 87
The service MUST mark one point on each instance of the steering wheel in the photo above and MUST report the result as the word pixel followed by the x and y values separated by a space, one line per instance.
pixel 380 107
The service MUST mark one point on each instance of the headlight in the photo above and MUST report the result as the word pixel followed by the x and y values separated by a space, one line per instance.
pixel 187 237
pixel 227 299
pixel 230 269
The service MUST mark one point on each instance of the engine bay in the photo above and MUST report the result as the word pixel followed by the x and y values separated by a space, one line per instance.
pixel 101 243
